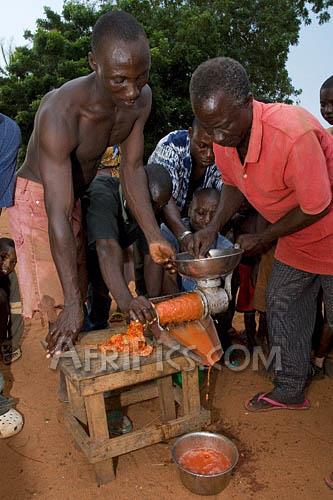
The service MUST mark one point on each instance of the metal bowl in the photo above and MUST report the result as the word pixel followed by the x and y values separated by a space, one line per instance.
pixel 199 483
pixel 220 263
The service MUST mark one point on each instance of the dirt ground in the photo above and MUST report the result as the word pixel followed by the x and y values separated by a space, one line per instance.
pixel 282 454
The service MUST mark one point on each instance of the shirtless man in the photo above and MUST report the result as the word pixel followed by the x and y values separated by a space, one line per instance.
pixel 73 127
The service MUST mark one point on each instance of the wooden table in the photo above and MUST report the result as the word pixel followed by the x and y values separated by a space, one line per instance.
pixel 134 379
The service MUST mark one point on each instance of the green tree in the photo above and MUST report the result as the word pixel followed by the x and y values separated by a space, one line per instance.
pixel 182 34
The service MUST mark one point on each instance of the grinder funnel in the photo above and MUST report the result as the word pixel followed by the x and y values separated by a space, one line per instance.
pixel 201 337
pixel 220 263
pixel 198 335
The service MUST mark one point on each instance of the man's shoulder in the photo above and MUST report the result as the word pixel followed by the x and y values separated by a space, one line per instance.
pixel 4 119
pixel 290 120
pixel 177 138
pixel 68 98
pixel 145 97
pixel 9 128
pixel 60 109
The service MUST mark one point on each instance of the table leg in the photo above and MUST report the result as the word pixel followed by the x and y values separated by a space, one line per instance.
pixel 191 391
pixel 166 398
pixel 76 402
pixel 104 471
pixel 98 431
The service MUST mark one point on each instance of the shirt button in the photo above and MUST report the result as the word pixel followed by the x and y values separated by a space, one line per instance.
pixel 37 202
pixel 245 176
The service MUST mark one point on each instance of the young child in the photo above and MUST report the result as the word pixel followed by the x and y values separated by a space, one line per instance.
pixel 11 321
pixel 200 212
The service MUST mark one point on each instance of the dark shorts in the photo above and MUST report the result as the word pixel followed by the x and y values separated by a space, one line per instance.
pixel 106 216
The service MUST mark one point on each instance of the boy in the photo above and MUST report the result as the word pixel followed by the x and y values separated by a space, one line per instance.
pixel 11 321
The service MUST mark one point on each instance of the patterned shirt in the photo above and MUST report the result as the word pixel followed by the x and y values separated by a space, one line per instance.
pixel 111 160
pixel 173 152
pixel 10 140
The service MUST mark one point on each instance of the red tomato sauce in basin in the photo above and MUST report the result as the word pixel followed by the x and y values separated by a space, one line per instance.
pixel 205 461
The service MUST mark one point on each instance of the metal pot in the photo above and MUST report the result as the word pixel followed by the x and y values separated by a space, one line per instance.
pixel 199 483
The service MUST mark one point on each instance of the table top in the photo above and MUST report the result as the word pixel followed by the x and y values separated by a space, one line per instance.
pixel 85 361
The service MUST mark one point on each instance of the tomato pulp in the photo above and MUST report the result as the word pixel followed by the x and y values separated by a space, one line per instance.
pixel 205 461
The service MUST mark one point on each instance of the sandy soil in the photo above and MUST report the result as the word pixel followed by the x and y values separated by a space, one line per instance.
pixel 283 455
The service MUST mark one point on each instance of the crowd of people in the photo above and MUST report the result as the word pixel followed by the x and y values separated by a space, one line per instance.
pixel 259 174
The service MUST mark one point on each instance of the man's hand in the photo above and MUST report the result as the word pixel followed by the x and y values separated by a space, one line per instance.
pixel 187 243
pixel 141 309
pixel 253 244
pixel 202 241
pixel 163 253
pixel 65 330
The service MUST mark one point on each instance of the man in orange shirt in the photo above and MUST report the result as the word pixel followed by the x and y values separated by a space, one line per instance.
pixel 281 159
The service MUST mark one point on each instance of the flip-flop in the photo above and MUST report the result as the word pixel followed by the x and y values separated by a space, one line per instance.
pixel 260 402
pixel 9 355
pixel 329 480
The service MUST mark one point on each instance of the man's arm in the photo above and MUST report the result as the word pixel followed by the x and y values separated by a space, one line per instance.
pixel 293 221
pixel 110 258
pixel 153 275
pixel 134 183
pixel 307 174
pixel 55 144
pixel 174 222
pixel 173 218
pixel 230 201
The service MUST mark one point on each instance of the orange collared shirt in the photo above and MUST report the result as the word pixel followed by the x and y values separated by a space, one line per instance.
pixel 289 163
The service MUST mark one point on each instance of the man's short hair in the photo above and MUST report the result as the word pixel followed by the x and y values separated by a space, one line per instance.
pixel 328 84
pixel 220 74
pixel 116 25
pixel 208 191
pixel 7 242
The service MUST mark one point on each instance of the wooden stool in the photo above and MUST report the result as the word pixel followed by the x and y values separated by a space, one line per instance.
pixel 151 377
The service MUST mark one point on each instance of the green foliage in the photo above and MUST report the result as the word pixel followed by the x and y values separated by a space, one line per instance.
pixel 182 34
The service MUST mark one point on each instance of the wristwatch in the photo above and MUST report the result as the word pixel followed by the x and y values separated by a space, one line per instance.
pixel 183 235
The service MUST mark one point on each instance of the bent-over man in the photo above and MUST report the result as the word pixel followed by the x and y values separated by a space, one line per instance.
pixel 189 157
pixel 111 228
pixel 281 159
pixel 73 127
